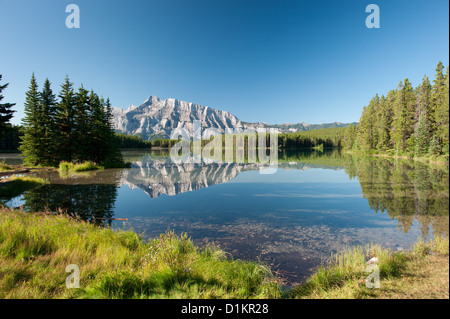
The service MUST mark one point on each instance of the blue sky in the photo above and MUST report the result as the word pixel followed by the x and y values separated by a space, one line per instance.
pixel 273 61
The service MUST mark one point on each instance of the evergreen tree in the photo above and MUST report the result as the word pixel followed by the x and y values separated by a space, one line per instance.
pixel 6 113
pixel 438 94
pixel 385 119
pixel 412 121
pixel 82 129
pixel 65 122
pixel 77 128
pixel 422 136
pixel 349 137
pixel 423 125
pixel 47 121
pixel 435 147
pixel 113 156
pixel 99 139
pixel 442 109
pixel 367 128
pixel 404 117
pixel 31 140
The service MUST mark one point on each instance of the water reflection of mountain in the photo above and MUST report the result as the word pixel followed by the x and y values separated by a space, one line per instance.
pixel 162 176
pixel 407 191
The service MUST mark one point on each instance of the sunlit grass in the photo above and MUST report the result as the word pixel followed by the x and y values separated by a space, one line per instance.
pixel 4 167
pixel 346 274
pixel 65 167
pixel 36 248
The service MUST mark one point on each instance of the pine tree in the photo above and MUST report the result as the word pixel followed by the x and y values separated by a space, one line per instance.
pixel 367 128
pixel 410 99
pixel 99 135
pixel 397 123
pixel 424 111
pixel 47 121
pixel 349 137
pixel 404 117
pixel 31 142
pixel 114 156
pixel 422 136
pixel 82 129
pixel 438 95
pixel 442 109
pixel 384 119
pixel 65 122
pixel 6 113
pixel 412 121
pixel 77 128
pixel 435 146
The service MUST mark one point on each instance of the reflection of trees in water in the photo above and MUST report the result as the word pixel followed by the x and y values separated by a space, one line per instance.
pixel 85 201
pixel 331 157
pixel 406 190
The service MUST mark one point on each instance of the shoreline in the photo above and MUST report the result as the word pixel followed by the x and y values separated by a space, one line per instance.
pixel 425 160
pixel 46 238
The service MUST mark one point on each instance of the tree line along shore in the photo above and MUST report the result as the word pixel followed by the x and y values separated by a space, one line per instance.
pixel 77 126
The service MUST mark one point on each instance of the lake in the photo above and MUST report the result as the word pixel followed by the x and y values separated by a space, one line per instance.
pixel 316 203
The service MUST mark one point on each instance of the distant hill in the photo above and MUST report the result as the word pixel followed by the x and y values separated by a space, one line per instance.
pixel 302 126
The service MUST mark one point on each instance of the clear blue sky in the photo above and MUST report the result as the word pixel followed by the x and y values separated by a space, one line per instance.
pixel 272 61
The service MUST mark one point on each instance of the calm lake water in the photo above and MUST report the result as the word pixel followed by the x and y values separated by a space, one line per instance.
pixel 315 204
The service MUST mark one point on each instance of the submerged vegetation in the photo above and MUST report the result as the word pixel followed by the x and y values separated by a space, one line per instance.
pixel 37 247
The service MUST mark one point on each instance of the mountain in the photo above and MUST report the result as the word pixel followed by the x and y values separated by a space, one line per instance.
pixel 156 118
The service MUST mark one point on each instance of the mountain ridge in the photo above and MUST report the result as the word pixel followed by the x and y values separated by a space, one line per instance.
pixel 157 118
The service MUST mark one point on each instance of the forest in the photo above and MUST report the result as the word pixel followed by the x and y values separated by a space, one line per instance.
pixel 74 126
pixel 322 138
pixel 411 122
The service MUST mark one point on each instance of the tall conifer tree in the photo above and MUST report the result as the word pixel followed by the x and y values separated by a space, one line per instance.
pixel 441 99
pixel 31 140
pixel 424 112
pixel 82 130
pixel 65 122
pixel 47 120
pixel 6 113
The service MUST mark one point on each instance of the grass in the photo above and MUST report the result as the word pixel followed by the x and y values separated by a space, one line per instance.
pixel 419 273
pixel 35 249
pixel 4 167
pixel 16 185
pixel 79 167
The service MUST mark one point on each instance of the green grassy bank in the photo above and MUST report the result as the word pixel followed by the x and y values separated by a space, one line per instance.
pixel 35 250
